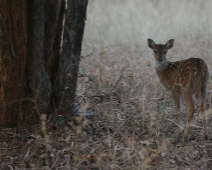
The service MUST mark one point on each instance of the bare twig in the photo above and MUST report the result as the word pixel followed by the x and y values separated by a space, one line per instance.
pixel 88 54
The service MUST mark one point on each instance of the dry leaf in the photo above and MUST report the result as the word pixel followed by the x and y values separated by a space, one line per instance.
pixel 145 142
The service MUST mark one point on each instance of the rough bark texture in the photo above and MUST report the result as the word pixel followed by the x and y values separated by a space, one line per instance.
pixel 53 61
pixel 39 83
pixel 65 84
pixel 30 61
pixel 12 59
pixel 52 9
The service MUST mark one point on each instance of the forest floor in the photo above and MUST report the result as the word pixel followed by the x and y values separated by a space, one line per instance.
pixel 107 140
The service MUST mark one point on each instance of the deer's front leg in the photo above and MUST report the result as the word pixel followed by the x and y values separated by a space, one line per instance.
pixel 177 96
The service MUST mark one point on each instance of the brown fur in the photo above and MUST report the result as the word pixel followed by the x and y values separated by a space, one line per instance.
pixel 183 78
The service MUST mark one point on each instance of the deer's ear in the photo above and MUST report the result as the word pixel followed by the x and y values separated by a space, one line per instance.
pixel 169 44
pixel 150 43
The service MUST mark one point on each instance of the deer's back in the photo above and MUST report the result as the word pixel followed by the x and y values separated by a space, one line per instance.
pixel 190 73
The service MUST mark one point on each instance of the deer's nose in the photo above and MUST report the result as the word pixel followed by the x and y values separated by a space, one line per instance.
pixel 160 59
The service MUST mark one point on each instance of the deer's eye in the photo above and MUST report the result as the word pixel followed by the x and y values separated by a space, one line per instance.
pixel 164 52
pixel 155 52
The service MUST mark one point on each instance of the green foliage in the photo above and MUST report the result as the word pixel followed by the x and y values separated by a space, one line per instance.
pixel 59 120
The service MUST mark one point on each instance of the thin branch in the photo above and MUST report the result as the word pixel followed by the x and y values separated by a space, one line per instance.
pixel 83 57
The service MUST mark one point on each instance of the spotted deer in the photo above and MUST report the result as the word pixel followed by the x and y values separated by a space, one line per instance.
pixel 183 79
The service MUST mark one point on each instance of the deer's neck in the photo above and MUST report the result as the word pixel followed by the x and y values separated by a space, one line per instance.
pixel 160 65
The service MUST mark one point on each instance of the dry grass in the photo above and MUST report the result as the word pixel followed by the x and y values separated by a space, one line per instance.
pixel 133 126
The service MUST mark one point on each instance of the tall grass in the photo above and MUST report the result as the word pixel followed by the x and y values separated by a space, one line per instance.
pixel 116 33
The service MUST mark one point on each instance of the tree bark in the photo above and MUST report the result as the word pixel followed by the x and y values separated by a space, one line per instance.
pixel 12 59
pixel 33 72
pixel 52 9
pixel 65 83
pixel 39 86
pixel 53 61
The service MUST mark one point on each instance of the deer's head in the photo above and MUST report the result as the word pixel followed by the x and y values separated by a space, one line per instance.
pixel 160 51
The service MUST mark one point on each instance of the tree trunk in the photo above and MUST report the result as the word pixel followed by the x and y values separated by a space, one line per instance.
pixel 65 83
pixel 12 59
pixel 39 86
pixel 31 64
pixel 54 59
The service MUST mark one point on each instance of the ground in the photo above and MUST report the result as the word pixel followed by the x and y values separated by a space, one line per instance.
pixel 121 138
pixel 130 122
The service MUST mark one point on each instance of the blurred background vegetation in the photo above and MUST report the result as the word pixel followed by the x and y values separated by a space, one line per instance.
pixel 117 22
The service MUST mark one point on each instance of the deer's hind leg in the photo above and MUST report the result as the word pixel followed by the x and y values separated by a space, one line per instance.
pixel 187 96
pixel 202 111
